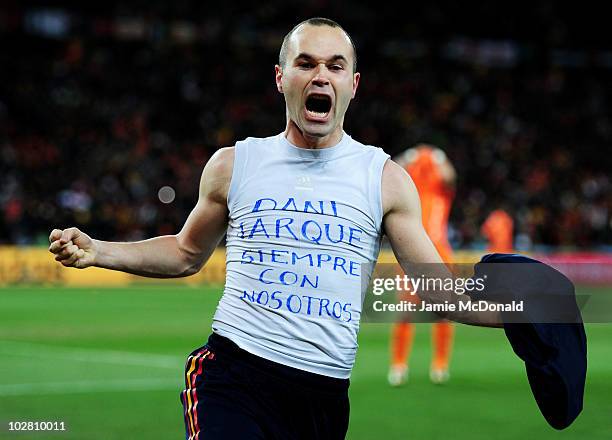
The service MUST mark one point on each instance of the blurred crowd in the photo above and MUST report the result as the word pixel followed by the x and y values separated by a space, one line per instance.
pixel 94 122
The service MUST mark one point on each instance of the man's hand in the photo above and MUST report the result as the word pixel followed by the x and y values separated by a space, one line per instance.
pixel 167 256
pixel 72 248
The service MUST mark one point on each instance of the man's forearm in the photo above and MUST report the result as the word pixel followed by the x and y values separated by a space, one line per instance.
pixel 461 312
pixel 159 257
pixel 412 247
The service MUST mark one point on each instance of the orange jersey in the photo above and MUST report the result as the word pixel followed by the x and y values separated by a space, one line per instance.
pixel 498 230
pixel 436 198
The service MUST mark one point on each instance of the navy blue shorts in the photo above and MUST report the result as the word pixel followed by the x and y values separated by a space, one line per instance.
pixel 232 394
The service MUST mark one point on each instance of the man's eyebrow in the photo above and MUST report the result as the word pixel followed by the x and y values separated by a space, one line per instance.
pixel 307 56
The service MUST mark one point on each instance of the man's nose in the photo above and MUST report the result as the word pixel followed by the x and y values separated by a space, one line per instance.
pixel 320 78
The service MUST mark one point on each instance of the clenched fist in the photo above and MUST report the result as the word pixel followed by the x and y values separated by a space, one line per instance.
pixel 72 248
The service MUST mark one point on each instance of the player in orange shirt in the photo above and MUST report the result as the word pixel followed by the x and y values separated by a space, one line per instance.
pixel 434 177
pixel 498 229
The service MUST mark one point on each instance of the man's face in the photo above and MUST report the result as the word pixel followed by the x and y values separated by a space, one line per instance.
pixel 318 80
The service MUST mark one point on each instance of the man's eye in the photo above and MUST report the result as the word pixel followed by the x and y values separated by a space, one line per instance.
pixel 306 65
pixel 335 67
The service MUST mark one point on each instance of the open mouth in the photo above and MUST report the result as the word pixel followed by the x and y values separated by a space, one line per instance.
pixel 318 106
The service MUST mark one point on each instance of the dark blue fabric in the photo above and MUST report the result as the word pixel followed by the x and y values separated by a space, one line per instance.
pixel 554 353
pixel 245 397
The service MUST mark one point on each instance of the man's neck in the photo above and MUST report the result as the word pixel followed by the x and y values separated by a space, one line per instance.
pixel 300 139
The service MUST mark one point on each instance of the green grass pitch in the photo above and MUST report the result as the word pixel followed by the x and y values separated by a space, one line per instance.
pixel 79 356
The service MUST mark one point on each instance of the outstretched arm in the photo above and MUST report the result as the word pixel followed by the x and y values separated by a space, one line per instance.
pixel 167 256
pixel 411 245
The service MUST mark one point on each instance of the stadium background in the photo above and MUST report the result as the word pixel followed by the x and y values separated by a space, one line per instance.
pixel 102 105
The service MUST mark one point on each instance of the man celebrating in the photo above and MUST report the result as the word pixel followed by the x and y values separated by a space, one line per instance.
pixel 304 212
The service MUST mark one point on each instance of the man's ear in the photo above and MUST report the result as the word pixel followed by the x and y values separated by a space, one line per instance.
pixel 356 78
pixel 278 73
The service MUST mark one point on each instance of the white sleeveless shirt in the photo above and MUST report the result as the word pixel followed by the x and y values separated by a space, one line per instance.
pixel 303 237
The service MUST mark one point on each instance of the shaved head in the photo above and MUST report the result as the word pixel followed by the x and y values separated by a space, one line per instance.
pixel 317 21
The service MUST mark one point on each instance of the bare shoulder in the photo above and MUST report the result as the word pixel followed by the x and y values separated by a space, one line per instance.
pixel 398 189
pixel 221 163
pixel 217 174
